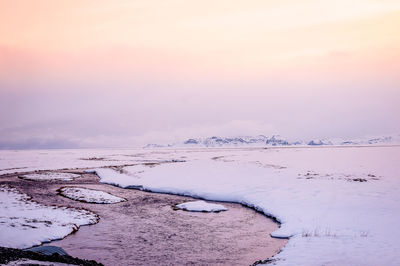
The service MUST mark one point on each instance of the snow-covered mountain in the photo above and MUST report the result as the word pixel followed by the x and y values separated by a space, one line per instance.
pixel 234 141
pixel 214 141
pixel 380 140
pixel 276 140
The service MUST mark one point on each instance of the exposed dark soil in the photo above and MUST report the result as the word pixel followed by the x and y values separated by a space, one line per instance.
pixel 12 254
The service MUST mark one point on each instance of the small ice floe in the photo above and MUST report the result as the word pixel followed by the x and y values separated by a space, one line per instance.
pixel 48 250
pixel 201 206
pixel 89 195
pixel 50 176
pixel 25 223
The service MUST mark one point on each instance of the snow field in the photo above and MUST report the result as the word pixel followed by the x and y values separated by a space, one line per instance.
pixel 338 205
pixel 338 220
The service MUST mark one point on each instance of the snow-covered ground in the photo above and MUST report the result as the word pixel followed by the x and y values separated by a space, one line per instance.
pixel 50 176
pixel 89 195
pixel 201 206
pixel 12 161
pixel 338 205
pixel 25 223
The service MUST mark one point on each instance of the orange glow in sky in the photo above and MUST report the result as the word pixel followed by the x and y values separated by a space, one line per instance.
pixel 249 36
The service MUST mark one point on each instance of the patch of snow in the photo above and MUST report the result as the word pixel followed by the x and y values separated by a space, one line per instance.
pixel 89 195
pixel 50 176
pixel 25 223
pixel 201 206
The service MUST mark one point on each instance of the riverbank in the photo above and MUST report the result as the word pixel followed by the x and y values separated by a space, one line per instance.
pixel 147 230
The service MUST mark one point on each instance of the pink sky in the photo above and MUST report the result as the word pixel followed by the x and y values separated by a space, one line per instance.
pixel 85 73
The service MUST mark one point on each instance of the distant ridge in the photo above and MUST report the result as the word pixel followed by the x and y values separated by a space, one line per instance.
pixel 275 140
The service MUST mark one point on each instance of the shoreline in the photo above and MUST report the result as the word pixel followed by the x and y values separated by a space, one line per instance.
pixel 146 229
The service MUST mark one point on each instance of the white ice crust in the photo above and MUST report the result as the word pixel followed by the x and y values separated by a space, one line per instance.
pixel 25 262
pixel 89 195
pixel 51 176
pixel 25 223
pixel 201 206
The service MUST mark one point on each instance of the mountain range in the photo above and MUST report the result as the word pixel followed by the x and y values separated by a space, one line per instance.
pixel 276 140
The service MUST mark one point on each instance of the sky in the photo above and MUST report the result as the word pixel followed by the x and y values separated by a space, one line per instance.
pixel 77 74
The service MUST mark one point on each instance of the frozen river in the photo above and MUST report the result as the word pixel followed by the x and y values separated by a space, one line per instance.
pixel 337 205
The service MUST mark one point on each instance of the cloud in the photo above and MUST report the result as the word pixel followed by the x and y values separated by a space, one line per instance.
pixel 38 143
pixel 38 140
